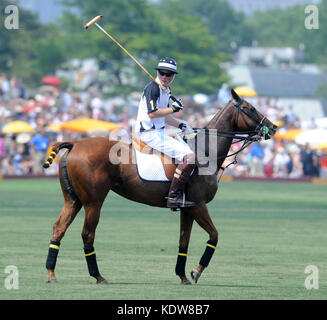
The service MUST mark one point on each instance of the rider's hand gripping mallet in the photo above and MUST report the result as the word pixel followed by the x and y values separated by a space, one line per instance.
pixel 94 21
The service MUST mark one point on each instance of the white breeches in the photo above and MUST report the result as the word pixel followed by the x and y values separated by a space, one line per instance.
pixel 161 141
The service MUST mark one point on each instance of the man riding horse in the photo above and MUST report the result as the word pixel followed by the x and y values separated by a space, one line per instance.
pixel 153 114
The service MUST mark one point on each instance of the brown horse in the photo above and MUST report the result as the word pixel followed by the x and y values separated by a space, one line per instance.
pixel 86 176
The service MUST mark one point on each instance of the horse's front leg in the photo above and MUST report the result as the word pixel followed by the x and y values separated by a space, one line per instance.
pixel 186 222
pixel 202 217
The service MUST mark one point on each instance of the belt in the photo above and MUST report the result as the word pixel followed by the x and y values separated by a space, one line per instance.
pixel 153 128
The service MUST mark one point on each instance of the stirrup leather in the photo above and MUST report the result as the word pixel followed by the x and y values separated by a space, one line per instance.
pixel 176 196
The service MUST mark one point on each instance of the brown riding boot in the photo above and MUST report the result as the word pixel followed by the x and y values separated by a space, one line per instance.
pixel 176 198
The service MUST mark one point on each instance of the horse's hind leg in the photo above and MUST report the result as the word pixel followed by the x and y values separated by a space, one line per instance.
pixel 92 215
pixel 67 215
pixel 186 222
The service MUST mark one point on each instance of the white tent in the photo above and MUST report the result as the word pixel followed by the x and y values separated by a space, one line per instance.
pixel 314 137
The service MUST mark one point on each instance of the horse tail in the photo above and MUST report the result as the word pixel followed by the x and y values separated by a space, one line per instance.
pixel 55 150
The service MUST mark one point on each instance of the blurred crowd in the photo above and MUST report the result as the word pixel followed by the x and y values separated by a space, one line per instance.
pixel 277 158
pixel 44 109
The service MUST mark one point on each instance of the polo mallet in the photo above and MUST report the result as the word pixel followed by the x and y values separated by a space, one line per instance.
pixel 94 21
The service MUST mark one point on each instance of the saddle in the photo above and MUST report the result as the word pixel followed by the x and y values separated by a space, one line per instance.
pixel 169 164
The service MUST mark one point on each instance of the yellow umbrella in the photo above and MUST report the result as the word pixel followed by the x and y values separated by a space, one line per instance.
pixel 54 127
pixel 278 123
pixel 289 134
pixel 17 127
pixel 322 145
pixel 86 124
pixel 245 91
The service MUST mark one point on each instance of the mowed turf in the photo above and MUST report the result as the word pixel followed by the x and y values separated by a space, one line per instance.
pixel 268 234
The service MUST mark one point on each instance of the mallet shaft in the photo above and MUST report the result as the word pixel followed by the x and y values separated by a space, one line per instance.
pixel 118 44
pixel 94 21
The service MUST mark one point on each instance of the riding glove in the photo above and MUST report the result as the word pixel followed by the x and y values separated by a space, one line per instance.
pixel 177 105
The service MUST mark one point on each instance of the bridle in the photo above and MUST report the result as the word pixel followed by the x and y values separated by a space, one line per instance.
pixel 253 116
pixel 261 131
pixel 257 134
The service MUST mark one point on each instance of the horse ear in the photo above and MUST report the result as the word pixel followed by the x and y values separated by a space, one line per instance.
pixel 235 95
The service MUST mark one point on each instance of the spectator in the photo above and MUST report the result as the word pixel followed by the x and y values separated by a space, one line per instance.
pixel 312 124
pixel 2 146
pixel 45 108
pixel 2 150
pixel 269 166
pixel 8 165
pixel 294 153
pixel 290 116
pixel 268 158
pixel 256 160
pixel 272 111
pixel 223 94
pixel 323 165
pixel 5 87
pixel 39 143
pixel 20 89
pixel 68 100
pixel 281 163
pixel 97 107
pixel 309 161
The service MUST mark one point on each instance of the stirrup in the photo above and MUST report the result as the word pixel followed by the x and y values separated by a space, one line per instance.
pixel 177 203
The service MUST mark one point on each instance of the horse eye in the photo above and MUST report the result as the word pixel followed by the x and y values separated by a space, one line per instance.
pixel 252 108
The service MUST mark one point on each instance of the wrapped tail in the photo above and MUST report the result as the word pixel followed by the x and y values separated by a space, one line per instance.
pixel 55 150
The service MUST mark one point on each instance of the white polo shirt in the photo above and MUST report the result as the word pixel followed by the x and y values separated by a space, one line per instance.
pixel 151 131
pixel 153 98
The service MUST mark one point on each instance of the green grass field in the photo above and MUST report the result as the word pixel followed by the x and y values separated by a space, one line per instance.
pixel 268 234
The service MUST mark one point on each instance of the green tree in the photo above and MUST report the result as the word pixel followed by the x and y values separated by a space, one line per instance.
pixel 149 33
pixel 130 22
pixel 49 51
pixel 31 51
pixel 221 20
pixel 195 50
pixel 16 46
pixel 286 28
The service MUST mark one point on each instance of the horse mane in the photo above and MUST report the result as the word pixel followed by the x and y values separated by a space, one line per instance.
pixel 212 124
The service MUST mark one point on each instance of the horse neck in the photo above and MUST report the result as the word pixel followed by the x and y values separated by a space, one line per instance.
pixel 222 121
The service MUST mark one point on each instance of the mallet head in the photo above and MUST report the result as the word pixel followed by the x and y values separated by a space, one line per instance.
pixel 93 21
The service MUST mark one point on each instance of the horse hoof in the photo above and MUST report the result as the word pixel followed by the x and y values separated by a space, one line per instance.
pixel 104 281
pixel 195 274
pixel 51 280
pixel 186 283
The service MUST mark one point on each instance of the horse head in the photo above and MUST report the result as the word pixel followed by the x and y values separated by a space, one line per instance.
pixel 247 118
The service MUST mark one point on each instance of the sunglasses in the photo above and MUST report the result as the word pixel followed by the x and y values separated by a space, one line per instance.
pixel 167 74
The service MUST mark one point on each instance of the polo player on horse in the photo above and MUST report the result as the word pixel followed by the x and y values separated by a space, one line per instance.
pixel 153 114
